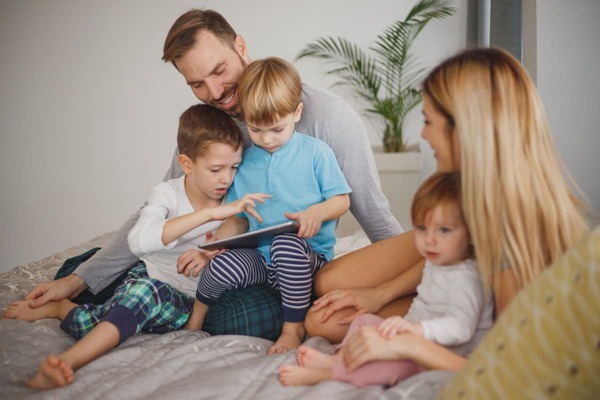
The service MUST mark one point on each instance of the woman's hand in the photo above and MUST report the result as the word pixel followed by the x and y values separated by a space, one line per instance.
pixel 362 300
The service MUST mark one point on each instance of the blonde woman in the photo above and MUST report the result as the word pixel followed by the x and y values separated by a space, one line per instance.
pixel 483 117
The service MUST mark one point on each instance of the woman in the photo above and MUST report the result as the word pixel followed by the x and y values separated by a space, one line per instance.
pixel 484 118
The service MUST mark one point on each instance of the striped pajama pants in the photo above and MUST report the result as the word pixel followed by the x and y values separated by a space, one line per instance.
pixel 291 271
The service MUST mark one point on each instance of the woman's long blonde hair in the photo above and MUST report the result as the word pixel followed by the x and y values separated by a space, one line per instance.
pixel 517 202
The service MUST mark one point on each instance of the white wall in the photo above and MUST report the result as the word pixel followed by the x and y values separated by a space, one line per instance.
pixel 568 56
pixel 89 112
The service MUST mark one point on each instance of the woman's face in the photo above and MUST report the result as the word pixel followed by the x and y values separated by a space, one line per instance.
pixel 439 135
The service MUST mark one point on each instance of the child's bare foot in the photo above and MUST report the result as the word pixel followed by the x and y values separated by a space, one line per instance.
pixel 312 358
pixel 292 335
pixel 22 310
pixel 53 373
pixel 292 375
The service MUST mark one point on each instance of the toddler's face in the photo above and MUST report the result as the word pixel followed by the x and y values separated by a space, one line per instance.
pixel 443 238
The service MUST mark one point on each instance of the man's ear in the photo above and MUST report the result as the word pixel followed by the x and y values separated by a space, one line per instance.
pixel 298 112
pixel 186 163
pixel 239 45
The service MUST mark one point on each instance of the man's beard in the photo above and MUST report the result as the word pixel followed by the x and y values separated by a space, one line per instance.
pixel 236 113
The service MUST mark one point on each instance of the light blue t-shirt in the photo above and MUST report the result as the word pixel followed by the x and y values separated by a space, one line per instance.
pixel 301 173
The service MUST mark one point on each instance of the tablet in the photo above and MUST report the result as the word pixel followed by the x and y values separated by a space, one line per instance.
pixel 252 240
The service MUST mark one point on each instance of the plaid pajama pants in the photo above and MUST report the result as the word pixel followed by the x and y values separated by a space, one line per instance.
pixel 251 311
pixel 140 303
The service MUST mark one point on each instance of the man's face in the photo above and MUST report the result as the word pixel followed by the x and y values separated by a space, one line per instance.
pixel 213 69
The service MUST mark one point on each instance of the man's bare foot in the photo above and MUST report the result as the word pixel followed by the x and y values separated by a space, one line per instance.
pixel 313 358
pixel 292 336
pixel 22 310
pixel 53 373
pixel 292 375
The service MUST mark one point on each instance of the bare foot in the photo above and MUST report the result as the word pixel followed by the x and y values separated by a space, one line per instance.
pixel 313 358
pixel 292 335
pixel 53 373
pixel 292 375
pixel 22 310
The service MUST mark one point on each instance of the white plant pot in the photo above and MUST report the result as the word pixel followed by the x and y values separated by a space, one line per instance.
pixel 399 175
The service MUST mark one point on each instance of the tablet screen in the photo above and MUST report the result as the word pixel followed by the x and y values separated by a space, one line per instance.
pixel 252 240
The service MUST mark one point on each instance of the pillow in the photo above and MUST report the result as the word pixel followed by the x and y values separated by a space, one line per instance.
pixel 546 344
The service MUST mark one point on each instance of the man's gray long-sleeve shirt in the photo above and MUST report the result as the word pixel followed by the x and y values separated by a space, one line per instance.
pixel 326 117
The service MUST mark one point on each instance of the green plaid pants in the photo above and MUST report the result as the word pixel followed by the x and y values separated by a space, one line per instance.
pixel 140 303
pixel 251 311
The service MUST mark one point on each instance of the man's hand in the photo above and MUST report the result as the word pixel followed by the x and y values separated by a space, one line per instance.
pixel 68 287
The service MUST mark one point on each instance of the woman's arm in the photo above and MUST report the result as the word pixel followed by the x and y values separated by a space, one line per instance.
pixel 379 278
pixel 369 300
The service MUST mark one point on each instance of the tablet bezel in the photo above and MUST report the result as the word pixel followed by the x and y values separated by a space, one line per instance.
pixel 252 240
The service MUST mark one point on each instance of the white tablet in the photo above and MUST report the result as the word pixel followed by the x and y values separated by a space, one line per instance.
pixel 252 240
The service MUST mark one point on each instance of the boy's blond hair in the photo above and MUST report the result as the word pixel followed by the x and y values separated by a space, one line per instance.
pixel 269 89
pixel 516 193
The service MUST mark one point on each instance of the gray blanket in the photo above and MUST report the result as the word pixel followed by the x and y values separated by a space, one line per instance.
pixel 176 365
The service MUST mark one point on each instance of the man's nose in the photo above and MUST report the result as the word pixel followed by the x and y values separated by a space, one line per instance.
pixel 215 90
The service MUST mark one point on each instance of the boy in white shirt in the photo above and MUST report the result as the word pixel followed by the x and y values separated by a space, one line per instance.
pixel 157 295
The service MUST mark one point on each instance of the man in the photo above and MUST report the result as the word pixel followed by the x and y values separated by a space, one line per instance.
pixel 210 56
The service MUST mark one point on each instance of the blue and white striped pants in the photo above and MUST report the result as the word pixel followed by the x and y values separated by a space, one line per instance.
pixel 293 266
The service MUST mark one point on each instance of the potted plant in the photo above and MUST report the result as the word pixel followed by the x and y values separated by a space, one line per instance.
pixel 388 80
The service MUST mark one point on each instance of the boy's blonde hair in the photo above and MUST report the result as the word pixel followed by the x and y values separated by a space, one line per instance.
pixel 519 208
pixel 269 89
pixel 201 125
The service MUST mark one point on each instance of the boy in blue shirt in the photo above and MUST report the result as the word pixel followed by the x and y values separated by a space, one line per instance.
pixel 306 185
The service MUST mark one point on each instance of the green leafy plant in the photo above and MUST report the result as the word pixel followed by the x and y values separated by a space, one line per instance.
pixel 389 79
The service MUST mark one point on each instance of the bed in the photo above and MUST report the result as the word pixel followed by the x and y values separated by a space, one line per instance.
pixel 176 365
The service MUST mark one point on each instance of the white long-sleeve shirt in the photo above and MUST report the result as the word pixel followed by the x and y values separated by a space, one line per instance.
pixel 168 200
pixel 452 306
